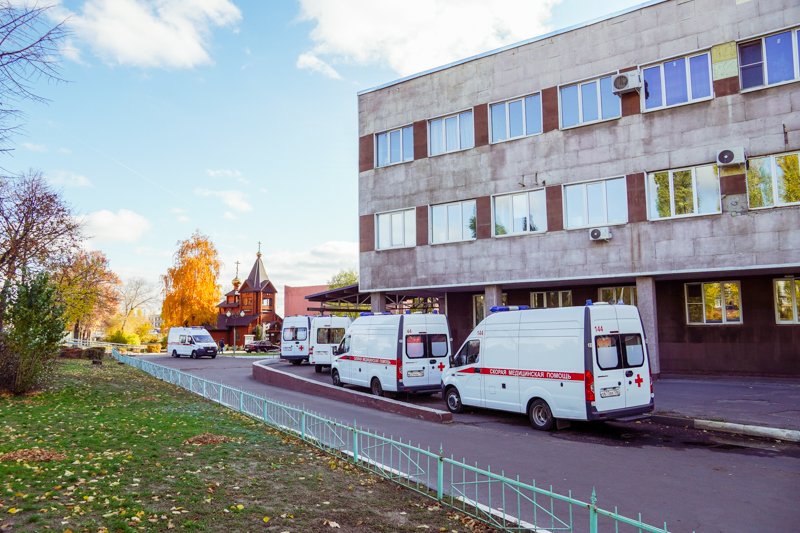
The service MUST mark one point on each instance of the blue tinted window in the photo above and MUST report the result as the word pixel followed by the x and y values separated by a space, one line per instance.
pixel 589 101
pixel 515 119
pixel 750 62
pixel 383 149
pixel 408 143
pixel 533 114
pixel 609 101
pixel 652 87
pixel 451 133
pixel 675 81
pixel 569 106
pixel 499 122
pixel 780 59
pixel 467 130
pixel 394 146
pixel 701 81
pixel 437 136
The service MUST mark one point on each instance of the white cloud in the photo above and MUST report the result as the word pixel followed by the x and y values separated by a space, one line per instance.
pixel 308 61
pixel 31 147
pixel 420 34
pixel 227 215
pixel 64 151
pixel 227 174
pixel 106 226
pixel 151 33
pixel 232 198
pixel 64 178
pixel 180 214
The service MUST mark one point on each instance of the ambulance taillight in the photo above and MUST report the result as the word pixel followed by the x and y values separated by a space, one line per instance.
pixel 589 384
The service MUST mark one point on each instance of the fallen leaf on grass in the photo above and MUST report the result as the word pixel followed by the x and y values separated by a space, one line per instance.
pixel 265 519
pixel 331 523
pixel 32 455
pixel 207 438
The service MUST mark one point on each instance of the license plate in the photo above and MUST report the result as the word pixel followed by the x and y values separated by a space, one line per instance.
pixel 415 373
pixel 608 393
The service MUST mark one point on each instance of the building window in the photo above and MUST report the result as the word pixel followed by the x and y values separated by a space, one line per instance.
pixel 453 222
pixel 397 229
pixel 450 134
pixel 478 308
pixel 617 295
pixel 545 299
pixel 683 192
pixel 787 301
pixel 773 181
pixel 677 81
pixel 515 214
pixel 587 102
pixel 395 146
pixel 596 203
pixel 713 303
pixel 770 60
pixel 516 118
pixel 266 302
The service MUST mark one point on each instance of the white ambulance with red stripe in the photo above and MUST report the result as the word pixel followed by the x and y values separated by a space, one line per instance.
pixel 397 353
pixel 571 363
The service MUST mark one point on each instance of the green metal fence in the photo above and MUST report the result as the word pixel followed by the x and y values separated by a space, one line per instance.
pixel 491 497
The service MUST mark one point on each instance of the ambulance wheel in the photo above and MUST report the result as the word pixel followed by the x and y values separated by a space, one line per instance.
pixel 375 387
pixel 296 362
pixel 318 369
pixel 453 399
pixel 174 353
pixel 335 378
pixel 194 354
pixel 540 415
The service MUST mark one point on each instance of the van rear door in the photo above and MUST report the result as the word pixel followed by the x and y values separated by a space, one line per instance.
pixel 414 360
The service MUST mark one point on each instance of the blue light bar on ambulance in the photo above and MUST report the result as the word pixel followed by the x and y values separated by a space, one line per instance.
pixel 500 308
pixel 365 313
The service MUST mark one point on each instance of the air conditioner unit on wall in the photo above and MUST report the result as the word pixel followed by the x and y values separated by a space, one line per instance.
pixel 731 156
pixel 627 82
pixel 599 234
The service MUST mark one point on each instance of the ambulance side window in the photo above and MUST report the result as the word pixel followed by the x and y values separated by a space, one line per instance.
pixel 438 345
pixel 469 353
pixel 634 351
pixel 182 339
pixel 302 334
pixel 415 346
pixel 344 347
pixel 608 356
pixel 289 334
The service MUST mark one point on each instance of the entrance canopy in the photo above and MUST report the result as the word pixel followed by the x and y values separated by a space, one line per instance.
pixel 350 299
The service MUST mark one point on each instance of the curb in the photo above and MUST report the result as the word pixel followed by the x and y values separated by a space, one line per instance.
pixel 787 435
pixel 278 378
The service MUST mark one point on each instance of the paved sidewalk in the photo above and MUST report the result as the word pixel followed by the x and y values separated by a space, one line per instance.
pixel 749 406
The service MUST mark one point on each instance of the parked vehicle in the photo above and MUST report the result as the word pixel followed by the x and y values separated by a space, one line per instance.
pixel 294 339
pixel 393 353
pixel 572 363
pixel 326 334
pixel 193 341
pixel 260 346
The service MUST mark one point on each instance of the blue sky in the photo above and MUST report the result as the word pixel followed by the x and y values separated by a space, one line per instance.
pixel 239 118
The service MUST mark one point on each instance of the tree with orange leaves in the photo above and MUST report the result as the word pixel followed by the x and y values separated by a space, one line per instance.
pixel 190 285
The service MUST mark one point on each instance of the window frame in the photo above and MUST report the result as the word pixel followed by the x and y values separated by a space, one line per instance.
pixel 586 203
pixel 377 216
pixel 527 193
pixel 794 32
pixel 622 288
pixel 702 284
pixel 690 100
pixel 795 281
pixel 580 84
pixel 695 201
pixel 544 294
pixel 506 104
pixel 460 203
pixel 774 180
pixel 389 146
pixel 443 118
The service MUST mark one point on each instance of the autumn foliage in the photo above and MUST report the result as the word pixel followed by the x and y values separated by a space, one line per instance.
pixel 190 285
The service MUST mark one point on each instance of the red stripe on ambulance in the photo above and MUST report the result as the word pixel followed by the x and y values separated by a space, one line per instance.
pixel 531 374
pixel 369 359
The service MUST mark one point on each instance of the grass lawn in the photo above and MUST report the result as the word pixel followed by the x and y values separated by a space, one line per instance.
pixel 104 449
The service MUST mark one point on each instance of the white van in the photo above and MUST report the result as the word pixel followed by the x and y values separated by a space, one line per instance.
pixel 326 334
pixel 571 363
pixel 394 353
pixel 193 341
pixel 294 339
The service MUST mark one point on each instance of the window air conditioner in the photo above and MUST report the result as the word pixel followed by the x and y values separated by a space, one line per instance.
pixel 627 82
pixel 730 156
pixel 599 234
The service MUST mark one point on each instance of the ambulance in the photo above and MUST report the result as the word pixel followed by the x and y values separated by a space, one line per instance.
pixel 326 334
pixel 571 363
pixel 194 341
pixel 397 353
pixel 294 339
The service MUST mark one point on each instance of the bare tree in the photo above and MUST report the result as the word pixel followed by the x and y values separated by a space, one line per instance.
pixel 135 293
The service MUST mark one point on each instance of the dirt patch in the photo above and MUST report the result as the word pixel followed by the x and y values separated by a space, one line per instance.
pixel 208 438
pixel 150 398
pixel 32 455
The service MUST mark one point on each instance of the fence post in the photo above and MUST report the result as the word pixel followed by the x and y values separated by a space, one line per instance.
pixel 220 393
pixel 241 401
pixel 593 513
pixel 440 476
pixel 204 388
pixel 355 444
pixel 303 425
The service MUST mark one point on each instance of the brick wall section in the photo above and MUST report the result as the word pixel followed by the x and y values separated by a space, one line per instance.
pixel 480 116
pixel 726 86
pixel 637 197
pixel 734 184
pixel 366 233
pixel 483 208
pixel 366 153
pixel 422 225
pixel 550 109
pixel 421 139
pixel 555 208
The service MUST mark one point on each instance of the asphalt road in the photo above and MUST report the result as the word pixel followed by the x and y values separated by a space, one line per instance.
pixel 691 479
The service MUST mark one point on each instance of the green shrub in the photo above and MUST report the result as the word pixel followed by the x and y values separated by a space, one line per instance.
pixel 154 347
pixel 120 337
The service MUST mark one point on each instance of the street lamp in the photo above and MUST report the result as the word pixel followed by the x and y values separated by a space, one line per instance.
pixel 228 314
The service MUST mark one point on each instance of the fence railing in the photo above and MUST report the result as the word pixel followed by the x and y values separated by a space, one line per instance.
pixel 87 343
pixel 491 497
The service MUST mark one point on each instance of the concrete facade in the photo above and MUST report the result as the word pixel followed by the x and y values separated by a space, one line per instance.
pixel 734 244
